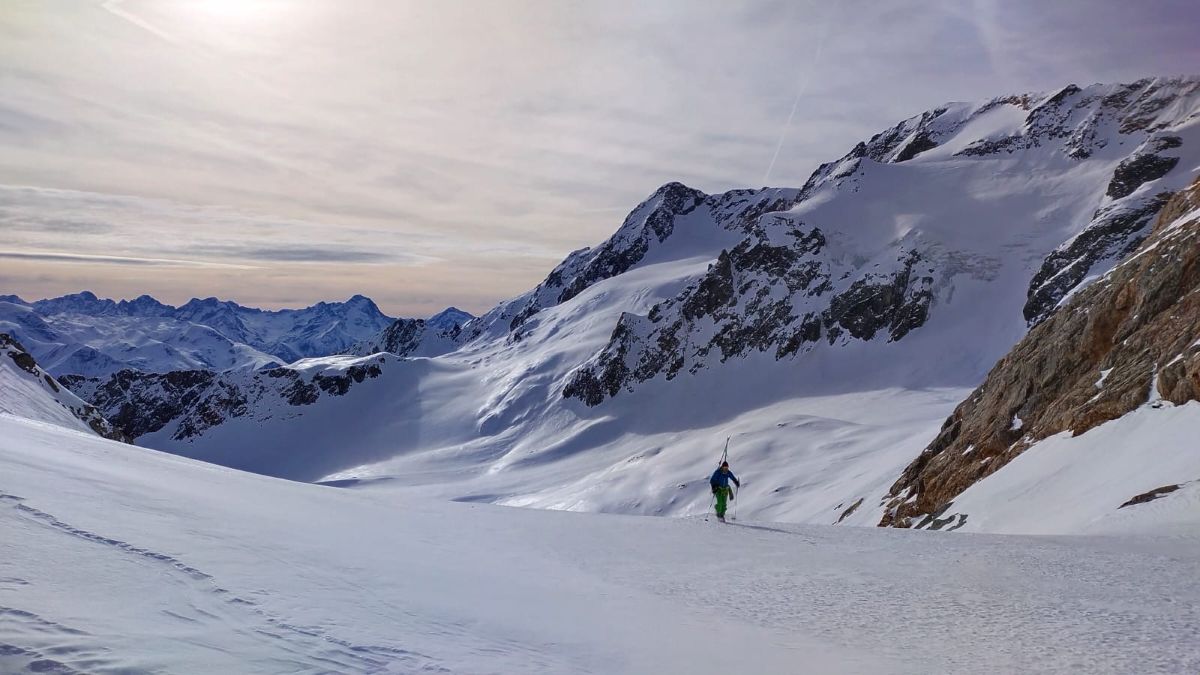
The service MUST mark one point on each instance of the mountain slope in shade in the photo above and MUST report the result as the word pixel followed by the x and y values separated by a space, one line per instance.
pixel 81 334
pixel 1126 344
pixel 828 328
pixel 29 392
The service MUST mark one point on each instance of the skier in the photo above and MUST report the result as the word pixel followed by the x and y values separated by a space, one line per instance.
pixel 720 487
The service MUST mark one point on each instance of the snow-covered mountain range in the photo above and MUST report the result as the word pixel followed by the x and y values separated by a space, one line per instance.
pixel 81 334
pixel 828 329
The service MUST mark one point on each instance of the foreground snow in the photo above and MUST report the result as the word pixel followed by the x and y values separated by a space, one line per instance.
pixel 114 558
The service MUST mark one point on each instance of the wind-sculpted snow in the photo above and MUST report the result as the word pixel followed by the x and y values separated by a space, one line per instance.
pixel 81 334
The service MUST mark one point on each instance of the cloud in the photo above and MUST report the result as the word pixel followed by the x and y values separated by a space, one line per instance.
pixel 415 134
pixel 50 256
pixel 295 253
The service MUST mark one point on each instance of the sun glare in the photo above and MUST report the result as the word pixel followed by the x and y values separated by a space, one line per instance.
pixel 234 11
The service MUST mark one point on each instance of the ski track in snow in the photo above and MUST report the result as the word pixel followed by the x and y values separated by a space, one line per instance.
pixel 210 603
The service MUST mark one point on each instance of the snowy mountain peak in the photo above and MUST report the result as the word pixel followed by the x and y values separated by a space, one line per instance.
pixel 449 319
pixel 84 302
pixel 144 305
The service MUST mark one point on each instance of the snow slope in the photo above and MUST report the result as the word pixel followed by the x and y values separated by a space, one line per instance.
pixel 29 392
pixel 1080 483
pixel 120 559
pixel 81 334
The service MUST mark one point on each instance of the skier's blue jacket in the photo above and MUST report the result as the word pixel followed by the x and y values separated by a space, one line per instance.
pixel 722 478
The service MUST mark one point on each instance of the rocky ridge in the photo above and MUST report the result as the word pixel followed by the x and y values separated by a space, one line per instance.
pixel 188 403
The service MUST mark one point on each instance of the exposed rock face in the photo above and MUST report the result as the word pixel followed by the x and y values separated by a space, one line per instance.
pixel 412 337
pixel 12 351
pixel 189 402
pixel 1124 341
pixel 1140 169
pixel 776 291
pixel 1146 497
pixel 401 338
pixel 1134 194
pixel 1114 233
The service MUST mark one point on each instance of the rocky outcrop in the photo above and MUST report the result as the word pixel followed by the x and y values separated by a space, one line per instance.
pixel 1142 168
pixel 1115 231
pixel 777 291
pixel 1147 497
pixel 413 337
pixel 188 403
pixel 1136 190
pixel 1127 340
pixel 26 366
pixel 401 338
pixel 652 221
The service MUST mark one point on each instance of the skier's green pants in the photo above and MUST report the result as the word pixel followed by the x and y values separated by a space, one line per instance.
pixel 722 500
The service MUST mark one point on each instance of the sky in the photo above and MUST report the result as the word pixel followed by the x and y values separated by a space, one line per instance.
pixel 427 154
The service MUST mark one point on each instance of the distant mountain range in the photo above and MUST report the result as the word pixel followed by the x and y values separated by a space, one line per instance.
pixel 81 334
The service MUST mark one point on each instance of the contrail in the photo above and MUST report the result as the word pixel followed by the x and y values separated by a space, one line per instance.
pixel 113 7
pixel 801 89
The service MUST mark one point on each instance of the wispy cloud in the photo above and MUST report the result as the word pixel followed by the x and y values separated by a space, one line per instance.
pixel 51 256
